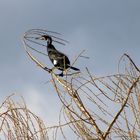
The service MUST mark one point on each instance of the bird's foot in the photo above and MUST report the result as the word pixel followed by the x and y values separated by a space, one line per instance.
pixel 61 74
pixel 47 69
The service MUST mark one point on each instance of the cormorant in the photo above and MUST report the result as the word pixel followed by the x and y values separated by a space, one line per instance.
pixel 59 60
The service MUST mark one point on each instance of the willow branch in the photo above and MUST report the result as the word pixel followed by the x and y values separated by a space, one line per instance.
pixel 123 105
pixel 79 104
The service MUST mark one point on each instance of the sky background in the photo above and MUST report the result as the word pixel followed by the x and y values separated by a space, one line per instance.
pixel 106 29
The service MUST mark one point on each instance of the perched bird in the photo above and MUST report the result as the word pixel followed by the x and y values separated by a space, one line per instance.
pixel 59 60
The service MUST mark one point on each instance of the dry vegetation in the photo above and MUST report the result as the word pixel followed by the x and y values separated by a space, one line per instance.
pixel 94 108
pixel 17 122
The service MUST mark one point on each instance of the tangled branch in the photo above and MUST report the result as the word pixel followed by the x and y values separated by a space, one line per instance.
pixel 98 107
pixel 17 122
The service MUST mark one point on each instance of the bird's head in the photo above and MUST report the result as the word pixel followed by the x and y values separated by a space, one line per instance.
pixel 46 37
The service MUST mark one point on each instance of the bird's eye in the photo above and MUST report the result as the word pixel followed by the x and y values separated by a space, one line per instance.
pixel 43 38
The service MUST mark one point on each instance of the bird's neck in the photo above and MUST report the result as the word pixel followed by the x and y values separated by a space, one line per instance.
pixel 50 47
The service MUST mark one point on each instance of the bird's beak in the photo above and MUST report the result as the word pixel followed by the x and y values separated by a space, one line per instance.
pixel 40 38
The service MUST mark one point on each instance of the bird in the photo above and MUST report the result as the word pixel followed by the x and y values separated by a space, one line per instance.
pixel 58 59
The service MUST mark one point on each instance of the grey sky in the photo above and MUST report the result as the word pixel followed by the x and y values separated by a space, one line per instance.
pixel 104 28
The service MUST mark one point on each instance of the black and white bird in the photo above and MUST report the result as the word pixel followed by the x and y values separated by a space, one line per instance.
pixel 59 60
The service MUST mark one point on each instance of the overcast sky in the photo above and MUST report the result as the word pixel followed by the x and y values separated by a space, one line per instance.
pixel 104 28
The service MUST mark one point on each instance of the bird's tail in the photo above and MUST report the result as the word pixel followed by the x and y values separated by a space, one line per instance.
pixel 76 69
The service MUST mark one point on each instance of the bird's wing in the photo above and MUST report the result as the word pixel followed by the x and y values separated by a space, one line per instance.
pixel 57 55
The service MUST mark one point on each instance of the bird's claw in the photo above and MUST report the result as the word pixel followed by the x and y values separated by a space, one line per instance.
pixel 47 69
pixel 61 74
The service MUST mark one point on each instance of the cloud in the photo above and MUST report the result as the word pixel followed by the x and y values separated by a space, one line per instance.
pixel 44 105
